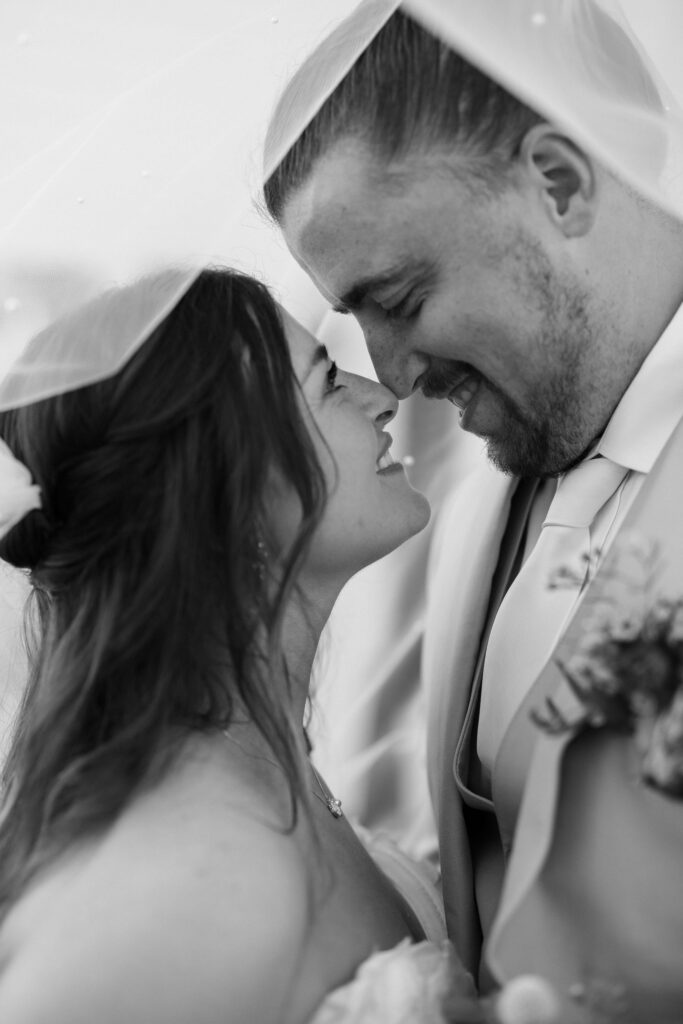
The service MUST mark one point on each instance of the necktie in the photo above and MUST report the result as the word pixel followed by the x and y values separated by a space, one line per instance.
pixel 533 613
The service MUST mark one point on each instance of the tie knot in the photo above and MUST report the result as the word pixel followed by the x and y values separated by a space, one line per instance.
pixel 583 491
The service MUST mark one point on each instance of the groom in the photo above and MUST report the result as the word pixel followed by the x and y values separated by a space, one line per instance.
pixel 492 261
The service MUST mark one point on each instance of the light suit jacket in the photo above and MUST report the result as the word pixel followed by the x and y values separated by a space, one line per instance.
pixel 463 562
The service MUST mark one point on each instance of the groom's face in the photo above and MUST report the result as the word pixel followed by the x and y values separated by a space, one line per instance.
pixel 460 293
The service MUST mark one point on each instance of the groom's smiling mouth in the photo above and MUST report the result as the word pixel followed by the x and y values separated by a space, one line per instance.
pixel 464 391
pixel 457 383
pixel 462 386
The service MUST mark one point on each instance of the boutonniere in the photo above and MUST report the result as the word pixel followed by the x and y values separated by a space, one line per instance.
pixel 627 667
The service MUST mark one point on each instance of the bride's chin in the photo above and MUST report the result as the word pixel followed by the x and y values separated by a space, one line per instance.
pixel 423 512
pixel 418 512
pixel 413 517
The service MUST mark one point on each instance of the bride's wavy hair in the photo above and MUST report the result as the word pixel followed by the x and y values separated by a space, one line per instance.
pixel 152 610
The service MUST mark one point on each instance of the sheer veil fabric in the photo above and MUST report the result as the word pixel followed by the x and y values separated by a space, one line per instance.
pixel 130 137
pixel 131 132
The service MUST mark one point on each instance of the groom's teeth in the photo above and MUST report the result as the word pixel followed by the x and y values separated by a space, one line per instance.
pixel 464 392
pixel 386 460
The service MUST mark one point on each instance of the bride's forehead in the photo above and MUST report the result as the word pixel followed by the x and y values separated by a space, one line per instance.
pixel 302 344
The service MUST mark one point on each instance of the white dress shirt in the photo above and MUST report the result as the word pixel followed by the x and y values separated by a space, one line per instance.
pixel 524 636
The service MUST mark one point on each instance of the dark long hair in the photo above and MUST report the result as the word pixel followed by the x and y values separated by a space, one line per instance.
pixel 150 594
pixel 410 91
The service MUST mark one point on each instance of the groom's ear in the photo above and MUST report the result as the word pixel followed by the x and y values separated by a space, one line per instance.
pixel 562 176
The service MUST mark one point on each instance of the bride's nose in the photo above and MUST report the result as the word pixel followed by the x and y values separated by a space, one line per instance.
pixel 378 401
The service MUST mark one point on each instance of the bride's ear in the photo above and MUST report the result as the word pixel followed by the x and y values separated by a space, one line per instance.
pixel 563 177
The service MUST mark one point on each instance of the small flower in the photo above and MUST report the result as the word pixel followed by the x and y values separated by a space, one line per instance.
pixel 643 550
pixel 594 682
pixel 598 667
pixel 663 760
pixel 659 615
pixel 675 633
pixel 626 628
pixel 569 578
pixel 648 669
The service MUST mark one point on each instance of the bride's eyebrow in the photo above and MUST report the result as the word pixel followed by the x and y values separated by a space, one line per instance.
pixel 354 296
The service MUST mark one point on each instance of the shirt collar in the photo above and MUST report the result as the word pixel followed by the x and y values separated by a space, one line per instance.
pixel 651 407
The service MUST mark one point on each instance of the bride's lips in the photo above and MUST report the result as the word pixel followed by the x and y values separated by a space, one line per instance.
pixel 385 461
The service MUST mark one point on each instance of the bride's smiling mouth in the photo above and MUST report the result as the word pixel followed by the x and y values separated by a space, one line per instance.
pixel 386 462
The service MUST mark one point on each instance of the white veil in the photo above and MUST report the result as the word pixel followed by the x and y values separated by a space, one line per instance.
pixel 130 134
pixel 588 65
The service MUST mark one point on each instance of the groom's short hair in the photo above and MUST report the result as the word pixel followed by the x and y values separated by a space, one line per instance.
pixel 410 92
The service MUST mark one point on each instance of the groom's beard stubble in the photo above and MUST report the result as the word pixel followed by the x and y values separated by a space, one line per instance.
pixel 522 446
pixel 549 435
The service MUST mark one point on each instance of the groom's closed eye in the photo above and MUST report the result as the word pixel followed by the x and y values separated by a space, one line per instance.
pixel 353 297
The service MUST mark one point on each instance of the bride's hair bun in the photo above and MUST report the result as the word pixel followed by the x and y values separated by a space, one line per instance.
pixel 27 543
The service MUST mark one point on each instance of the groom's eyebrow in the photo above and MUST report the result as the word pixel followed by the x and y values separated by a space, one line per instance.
pixel 353 298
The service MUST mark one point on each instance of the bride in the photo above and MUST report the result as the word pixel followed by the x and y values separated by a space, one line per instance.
pixel 168 853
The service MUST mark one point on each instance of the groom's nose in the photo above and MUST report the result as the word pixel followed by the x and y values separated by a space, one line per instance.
pixel 397 365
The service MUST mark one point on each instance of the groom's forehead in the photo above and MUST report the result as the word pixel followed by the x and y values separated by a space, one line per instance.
pixel 332 227
pixel 340 186
pixel 350 229
pixel 347 264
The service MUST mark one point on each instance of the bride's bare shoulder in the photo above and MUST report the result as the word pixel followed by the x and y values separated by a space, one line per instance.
pixel 194 906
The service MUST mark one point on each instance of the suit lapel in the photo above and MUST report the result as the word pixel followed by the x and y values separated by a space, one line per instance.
pixel 463 560
pixel 509 562
pixel 465 554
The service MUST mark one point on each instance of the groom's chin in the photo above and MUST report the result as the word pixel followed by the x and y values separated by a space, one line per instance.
pixel 521 452
pixel 529 453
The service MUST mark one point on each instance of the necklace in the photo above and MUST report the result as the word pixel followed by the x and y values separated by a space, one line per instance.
pixel 333 805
